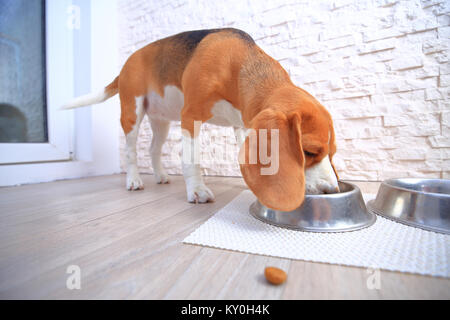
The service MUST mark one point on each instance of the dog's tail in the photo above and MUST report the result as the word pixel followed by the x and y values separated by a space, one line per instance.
pixel 93 98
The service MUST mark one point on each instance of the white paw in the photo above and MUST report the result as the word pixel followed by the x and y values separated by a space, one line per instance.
pixel 199 194
pixel 134 182
pixel 161 178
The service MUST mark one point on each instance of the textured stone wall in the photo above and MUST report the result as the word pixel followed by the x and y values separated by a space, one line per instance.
pixel 381 67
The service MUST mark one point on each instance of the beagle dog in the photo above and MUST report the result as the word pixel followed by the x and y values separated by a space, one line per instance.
pixel 220 76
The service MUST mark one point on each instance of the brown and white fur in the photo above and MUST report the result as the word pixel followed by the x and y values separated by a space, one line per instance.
pixel 220 76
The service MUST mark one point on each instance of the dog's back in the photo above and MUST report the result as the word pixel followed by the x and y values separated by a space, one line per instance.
pixel 169 57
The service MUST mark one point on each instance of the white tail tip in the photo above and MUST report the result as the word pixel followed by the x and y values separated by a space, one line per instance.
pixel 85 100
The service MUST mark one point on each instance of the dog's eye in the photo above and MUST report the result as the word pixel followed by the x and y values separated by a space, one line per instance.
pixel 309 154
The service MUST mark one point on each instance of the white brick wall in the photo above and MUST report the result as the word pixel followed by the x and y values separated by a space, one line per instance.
pixel 381 67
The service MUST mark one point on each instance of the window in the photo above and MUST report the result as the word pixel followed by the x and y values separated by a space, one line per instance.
pixel 32 34
pixel 80 55
pixel 23 113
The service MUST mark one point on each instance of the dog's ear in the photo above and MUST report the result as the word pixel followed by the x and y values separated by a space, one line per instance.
pixel 284 188
pixel 332 149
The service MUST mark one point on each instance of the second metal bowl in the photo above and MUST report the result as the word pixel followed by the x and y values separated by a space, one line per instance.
pixel 337 212
pixel 422 203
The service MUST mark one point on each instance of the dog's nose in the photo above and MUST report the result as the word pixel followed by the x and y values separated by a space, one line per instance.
pixel 321 178
pixel 336 189
pixel 329 189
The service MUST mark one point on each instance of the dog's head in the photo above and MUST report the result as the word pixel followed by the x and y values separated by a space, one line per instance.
pixel 306 145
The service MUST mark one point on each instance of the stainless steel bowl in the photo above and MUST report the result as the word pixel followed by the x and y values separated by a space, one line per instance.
pixel 338 212
pixel 422 203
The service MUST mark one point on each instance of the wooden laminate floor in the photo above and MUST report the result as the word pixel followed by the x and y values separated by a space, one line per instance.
pixel 128 246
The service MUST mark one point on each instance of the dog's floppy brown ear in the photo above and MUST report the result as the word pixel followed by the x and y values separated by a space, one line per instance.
pixel 284 189
pixel 333 149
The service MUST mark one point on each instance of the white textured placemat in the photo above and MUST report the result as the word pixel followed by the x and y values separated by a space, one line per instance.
pixel 385 245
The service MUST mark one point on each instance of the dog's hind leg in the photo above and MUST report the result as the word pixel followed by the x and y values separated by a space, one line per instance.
pixel 160 130
pixel 131 117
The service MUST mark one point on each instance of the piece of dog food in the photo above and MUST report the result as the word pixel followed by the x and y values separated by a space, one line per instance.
pixel 274 275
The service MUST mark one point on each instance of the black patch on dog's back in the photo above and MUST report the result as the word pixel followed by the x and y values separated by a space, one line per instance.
pixel 192 38
pixel 176 51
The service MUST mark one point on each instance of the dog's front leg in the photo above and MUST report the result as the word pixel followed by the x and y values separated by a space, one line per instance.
pixel 240 134
pixel 196 189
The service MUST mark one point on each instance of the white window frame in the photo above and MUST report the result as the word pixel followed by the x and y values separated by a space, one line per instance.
pixel 59 62
pixel 95 153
